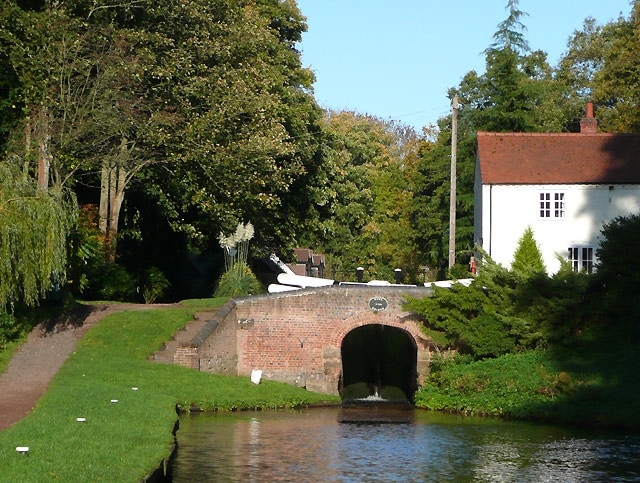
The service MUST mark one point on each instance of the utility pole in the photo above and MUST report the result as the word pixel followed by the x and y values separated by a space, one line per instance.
pixel 452 203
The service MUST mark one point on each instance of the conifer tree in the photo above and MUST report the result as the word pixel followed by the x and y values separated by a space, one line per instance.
pixel 510 33
pixel 527 259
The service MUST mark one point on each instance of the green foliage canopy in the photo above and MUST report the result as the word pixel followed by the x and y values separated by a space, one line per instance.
pixel 242 123
pixel 360 196
pixel 617 83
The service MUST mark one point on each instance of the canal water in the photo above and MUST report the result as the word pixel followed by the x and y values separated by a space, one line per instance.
pixel 395 444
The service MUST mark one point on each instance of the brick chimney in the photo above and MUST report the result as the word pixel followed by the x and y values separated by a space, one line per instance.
pixel 589 124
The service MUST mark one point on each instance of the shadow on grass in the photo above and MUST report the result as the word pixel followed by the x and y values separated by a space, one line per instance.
pixel 73 319
pixel 601 387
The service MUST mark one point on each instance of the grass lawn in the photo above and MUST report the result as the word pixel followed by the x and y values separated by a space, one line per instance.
pixel 125 440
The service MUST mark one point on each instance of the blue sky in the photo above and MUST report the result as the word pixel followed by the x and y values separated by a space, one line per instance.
pixel 396 59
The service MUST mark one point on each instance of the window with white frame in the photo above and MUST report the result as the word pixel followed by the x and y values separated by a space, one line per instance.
pixel 551 205
pixel 581 259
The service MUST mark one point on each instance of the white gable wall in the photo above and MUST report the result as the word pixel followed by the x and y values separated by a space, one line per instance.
pixel 505 211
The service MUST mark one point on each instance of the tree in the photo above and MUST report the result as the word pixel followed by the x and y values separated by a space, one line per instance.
pixel 34 226
pixel 617 82
pixel 510 33
pixel 601 65
pixel 72 88
pixel 579 69
pixel 130 122
pixel 430 203
pixel 527 258
pixel 584 57
pixel 205 102
pixel 360 195
pixel 341 191
pixel 615 276
pixel 518 91
pixel 9 99
pixel 390 230
pixel 241 95
pixel 35 39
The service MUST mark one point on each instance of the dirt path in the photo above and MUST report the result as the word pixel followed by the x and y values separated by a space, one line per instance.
pixel 39 358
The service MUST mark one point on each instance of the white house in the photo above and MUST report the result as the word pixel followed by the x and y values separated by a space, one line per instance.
pixel 564 186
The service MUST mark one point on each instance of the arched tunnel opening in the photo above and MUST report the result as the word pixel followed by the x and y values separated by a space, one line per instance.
pixel 378 361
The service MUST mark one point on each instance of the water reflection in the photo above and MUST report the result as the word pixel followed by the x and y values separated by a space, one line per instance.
pixel 377 413
pixel 368 444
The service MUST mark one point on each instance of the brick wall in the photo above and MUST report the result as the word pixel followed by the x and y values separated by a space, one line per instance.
pixel 295 337
pixel 216 342
pixel 187 357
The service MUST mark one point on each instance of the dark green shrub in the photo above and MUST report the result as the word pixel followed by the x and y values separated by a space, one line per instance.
pixel 489 336
pixel 505 311
pixel 477 319
pixel 114 283
pixel 154 283
pixel 86 251
pixel 617 279
pixel 458 271
pixel 9 328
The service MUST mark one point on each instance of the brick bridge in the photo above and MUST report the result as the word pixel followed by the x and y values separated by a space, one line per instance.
pixel 323 339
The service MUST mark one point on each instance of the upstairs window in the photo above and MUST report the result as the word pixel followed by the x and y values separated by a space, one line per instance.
pixel 551 205
pixel 581 259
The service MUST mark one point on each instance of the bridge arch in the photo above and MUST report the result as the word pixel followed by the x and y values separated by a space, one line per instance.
pixel 378 360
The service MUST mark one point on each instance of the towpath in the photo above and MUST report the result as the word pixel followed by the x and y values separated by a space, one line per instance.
pixel 36 362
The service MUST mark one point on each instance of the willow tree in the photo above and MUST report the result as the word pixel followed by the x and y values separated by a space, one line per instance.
pixel 34 225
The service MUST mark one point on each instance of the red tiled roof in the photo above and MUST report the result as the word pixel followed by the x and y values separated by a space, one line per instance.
pixel 558 158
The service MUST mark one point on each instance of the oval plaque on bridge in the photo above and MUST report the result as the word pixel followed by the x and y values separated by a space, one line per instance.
pixel 378 303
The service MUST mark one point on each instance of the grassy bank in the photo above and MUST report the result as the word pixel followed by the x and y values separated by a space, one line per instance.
pixel 592 382
pixel 124 440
